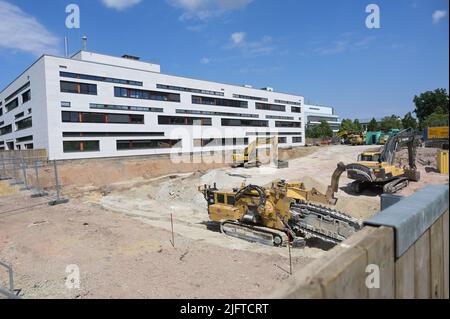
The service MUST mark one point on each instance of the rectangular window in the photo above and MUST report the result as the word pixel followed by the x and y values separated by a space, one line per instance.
pixel 270 107
pixel 18 116
pixel 126 108
pixel 147 144
pixel 220 198
pixel 241 122
pixel 65 104
pixel 184 89
pixel 24 124
pixel 282 140
pixel 246 97
pixel 12 105
pixel 79 88
pixel 179 120
pixel 288 124
pixel 98 78
pixel 26 96
pixel 219 102
pixel 6 129
pixel 295 109
pixel 24 139
pixel 81 146
pixel 29 146
pixel 297 139
pixel 87 117
pixel 146 95
pixel 1 110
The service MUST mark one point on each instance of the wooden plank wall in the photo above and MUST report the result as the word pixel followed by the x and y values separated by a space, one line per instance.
pixel 422 272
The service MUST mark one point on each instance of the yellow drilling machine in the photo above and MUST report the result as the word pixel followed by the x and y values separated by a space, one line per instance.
pixel 280 213
pixel 379 168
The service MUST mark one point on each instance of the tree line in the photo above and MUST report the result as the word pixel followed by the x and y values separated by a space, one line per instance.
pixel 431 109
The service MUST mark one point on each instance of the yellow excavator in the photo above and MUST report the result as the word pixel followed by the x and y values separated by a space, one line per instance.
pixel 254 157
pixel 379 168
pixel 278 214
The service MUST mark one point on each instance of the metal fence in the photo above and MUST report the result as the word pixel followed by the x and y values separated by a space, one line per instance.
pixel 32 171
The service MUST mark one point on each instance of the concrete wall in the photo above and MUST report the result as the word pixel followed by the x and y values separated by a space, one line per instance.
pixel 412 256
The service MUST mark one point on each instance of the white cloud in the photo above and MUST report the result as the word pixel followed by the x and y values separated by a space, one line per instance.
pixel 347 42
pixel 120 4
pixel 21 31
pixel 438 15
pixel 205 61
pixel 205 9
pixel 250 48
pixel 238 37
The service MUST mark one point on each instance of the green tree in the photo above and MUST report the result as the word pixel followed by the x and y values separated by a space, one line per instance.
pixel 428 102
pixel 438 118
pixel 373 126
pixel 319 131
pixel 390 122
pixel 347 125
pixel 409 121
pixel 357 126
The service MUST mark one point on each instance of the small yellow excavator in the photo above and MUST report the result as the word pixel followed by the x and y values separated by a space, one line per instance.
pixel 277 214
pixel 253 157
pixel 379 168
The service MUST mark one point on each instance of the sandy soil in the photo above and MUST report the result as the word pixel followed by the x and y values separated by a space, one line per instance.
pixel 119 234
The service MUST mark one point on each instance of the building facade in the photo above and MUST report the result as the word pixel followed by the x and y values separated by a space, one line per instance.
pixel 93 105
pixel 315 114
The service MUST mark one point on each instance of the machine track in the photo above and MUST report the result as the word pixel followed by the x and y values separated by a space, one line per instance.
pixel 315 221
pixel 396 185
pixel 251 233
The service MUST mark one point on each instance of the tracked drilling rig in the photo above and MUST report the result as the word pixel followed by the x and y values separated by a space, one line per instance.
pixel 277 214
pixel 379 168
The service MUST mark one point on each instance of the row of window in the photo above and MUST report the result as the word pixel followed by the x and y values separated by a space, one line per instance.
pixel 242 122
pixel 247 97
pixel 272 133
pixel 98 78
pixel 26 96
pixel 185 89
pixel 288 102
pixel 276 117
pixel 110 134
pixel 146 95
pixel 211 113
pixel 219 102
pixel 295 109
pixel 214 142
pixel 88 117
pixel 94 146
pixel 79 88
pixel 288 124
pixel 270 107
pixel 126 108
pixel 180 120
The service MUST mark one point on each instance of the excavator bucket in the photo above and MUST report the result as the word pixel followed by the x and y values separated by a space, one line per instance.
pixel 334 186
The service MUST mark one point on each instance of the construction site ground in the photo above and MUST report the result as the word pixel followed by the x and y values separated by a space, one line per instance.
pixel 119 233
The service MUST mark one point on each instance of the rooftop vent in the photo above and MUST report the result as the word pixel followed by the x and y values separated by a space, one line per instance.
pixel 131 57
pixel 267 89
pixel 248 86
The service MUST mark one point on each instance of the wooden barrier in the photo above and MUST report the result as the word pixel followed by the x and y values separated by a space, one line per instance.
pixel 346 271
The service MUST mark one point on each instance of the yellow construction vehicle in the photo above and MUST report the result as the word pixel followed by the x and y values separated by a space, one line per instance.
pixel 358 139
pixel 379 168
pixel 253 157
pixel 277 214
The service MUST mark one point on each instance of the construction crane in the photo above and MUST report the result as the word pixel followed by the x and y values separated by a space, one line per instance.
pixel 379 169
pixel 269 215
pixel 251 156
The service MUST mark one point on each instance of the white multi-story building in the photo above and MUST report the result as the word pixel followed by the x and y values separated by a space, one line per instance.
pixel 93 105
pixel 316 114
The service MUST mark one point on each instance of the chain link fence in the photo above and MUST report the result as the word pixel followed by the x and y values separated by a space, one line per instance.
pixel 32 171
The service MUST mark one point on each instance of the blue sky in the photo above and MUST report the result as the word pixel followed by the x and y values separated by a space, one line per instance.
pixel 320 49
